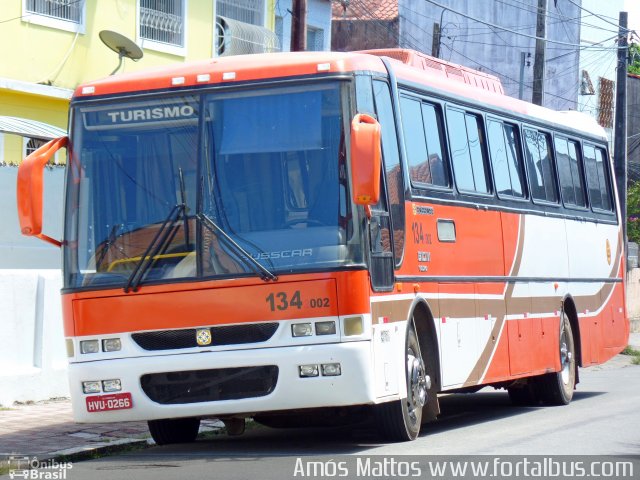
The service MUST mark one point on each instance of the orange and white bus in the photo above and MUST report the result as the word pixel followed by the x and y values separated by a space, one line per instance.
pixel 314 235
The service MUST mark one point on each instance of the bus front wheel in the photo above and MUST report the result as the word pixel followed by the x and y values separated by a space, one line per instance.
pixel 400 421
pixel 174 430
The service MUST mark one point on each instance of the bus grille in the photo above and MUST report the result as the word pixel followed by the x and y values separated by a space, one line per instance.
pixel 226 335
pixel 210 385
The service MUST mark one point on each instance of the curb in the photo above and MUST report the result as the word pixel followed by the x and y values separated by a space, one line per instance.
pixel 98 449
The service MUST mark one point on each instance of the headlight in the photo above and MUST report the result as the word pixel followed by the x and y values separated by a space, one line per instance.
pixel 331 369
pixel 111 345
pixel 89 346
pixel 309 370
pixel 326 328
pixel 301 330
pixel 91 387
pixel 111 385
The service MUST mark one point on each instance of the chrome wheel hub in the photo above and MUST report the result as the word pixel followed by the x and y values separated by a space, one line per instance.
pixel 418 382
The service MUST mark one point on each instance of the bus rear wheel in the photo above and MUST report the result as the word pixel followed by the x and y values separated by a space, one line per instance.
pixel 557 388
pixel 174 430
pixel 400 421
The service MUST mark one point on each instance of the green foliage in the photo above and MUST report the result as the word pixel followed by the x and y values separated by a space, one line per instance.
pixel 632 352
pixel 633 212
pixel 634 59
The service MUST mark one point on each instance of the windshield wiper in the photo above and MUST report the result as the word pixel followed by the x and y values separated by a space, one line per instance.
pixel 214 228
pixel 161 238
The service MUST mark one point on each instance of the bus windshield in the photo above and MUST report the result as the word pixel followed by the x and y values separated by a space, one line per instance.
pixel 191 186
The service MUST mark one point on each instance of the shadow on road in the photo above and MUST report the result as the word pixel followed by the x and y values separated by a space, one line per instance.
pixel 458 411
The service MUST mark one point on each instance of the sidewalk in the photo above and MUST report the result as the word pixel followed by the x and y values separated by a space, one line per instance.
pixel 47 430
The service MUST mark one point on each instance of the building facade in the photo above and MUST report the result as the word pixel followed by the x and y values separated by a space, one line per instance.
pixel 470 36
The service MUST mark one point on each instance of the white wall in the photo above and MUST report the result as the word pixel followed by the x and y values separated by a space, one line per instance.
pixel 496 51
pixel 33 358
pixel 17 251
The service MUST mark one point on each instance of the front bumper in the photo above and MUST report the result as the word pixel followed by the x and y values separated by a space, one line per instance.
pixel 355 385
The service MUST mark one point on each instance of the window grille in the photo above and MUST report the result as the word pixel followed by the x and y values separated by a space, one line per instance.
pixel 32 145
pixel 315 39
pixel 247 11
pixel 162 21
pixel 69 10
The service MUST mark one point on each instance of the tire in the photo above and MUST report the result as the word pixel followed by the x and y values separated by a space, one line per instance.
pixel 557 388
pixel 400 421
pixel 174 430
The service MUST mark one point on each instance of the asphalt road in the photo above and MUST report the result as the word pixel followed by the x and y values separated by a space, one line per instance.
pixel 603 419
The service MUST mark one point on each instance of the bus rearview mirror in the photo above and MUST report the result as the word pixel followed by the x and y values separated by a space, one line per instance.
pixel 365 159
pixel 30 189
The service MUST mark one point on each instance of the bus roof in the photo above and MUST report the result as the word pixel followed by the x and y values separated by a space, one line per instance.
pixel 443 77
pixel 230 69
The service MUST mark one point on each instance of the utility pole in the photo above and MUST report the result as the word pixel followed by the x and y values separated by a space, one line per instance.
pixel 523 60
pixel 538 62
pixel 620 131
pixel 299 26
pixel 435 43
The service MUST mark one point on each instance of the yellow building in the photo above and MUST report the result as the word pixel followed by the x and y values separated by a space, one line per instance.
pixel 51 46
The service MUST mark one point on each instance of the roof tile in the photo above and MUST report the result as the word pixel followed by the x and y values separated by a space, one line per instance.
pixel 365 10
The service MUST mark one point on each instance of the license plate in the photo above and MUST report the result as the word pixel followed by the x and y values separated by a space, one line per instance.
pixel 104 403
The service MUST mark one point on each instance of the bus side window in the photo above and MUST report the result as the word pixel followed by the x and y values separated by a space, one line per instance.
pixel 597 178
pixel 541 174
pixel 505 158
pixel 577 173
pixel 423 140
pixel 570 172
pixel 467 154
pixel 391 158
pixel 603 175
pixel 433 132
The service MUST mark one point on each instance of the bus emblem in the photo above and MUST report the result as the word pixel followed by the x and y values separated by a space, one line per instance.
pixel 203 336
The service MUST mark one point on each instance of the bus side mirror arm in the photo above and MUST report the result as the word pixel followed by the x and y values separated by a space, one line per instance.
pixel 30 190
pixel 365 159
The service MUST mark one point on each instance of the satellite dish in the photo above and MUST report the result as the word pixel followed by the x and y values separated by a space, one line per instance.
pixel 123 46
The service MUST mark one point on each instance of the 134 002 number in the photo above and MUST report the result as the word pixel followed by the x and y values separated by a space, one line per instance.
pixel 284 301
pixel 281 301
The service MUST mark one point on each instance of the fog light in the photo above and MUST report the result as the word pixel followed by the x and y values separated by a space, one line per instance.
pixel 111 345
pixel 91 387
pixel 111 385
pixel 309 370
pixel 301 330
pixel 89 346
pixel 353 326
pixel 331 369
pixel 326 328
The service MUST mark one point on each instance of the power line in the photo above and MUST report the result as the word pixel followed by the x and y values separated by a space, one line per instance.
pixel 617 25
pixel 557 42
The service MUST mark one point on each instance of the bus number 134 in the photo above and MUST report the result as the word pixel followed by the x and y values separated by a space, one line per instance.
pixel 281 301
